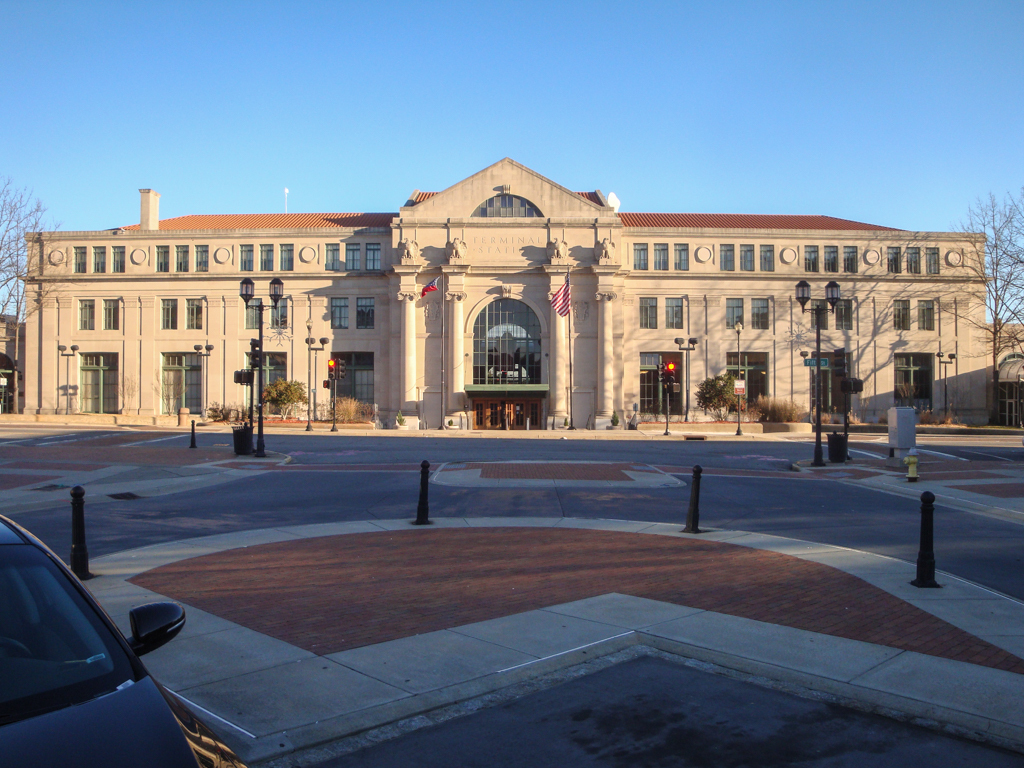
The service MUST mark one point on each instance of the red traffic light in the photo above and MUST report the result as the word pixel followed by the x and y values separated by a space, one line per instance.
pixel 670 367
pixel 332 367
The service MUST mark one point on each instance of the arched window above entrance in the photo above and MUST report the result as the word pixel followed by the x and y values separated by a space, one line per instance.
pixel 507 207
pixel 506 344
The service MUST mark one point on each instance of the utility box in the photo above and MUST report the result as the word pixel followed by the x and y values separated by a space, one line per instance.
pixel 902 434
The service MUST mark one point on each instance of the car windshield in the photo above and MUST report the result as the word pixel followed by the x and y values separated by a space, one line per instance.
pixel 55 651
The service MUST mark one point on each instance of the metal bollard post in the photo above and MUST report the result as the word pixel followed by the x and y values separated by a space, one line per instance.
pixel 193 443
pixel 423 509
pixel 926 555
pixel 693 513
pixel 79 552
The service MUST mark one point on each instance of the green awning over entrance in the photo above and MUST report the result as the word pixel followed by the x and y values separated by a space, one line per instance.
pixel 502 390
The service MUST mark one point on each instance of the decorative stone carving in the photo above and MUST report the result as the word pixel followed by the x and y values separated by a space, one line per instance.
pixel 56 258
pixel 408 251
pixel 506 291
pixel 954 258
pixel 605 251
pixel 787 255
pixel 871 257
pixel 456 251
pixel 607 296
pixel 432 310
pixel 138 257
pixel 455 296
pixel 627 301
pixel 558 252
pixel 702 255
pixel 222 255
pixel 405 296
pixel 581 311
pixel 307 254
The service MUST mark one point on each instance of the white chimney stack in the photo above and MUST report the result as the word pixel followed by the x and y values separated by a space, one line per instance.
pixel 150 218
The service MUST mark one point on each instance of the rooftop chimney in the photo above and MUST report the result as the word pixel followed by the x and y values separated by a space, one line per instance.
pixel 150 219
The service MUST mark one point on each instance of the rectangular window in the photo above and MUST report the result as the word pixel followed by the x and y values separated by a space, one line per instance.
pixel 373 255
pixel 111 315
pixel 358 382
pixel 760 319
pixel 202 258
pixel 169 314
pixel 661 256
pixel 86 315
pixel 339 313
pixel 926 315
pixel 267 258
pixel 364 313
pixel 117 258
pixel 181 258
pixel 810 258
pixel 822 305
pixel 194 314
pixel 252 315
pixel 245 254
pixel 727 260
pixel 913 261
pixel 895 260
pixel 682 256
pixel 287 257
pixel 279 314
pixel 931 257
pixel 648 312
pixel 352 256
pixel 639 255
pixel 99 259
pixel 99 383
pixel 831 258
pixel 901 314
pixel 332 257
pixel 844 315
pixel 80 264
pixel 733 312
pixel 850 259
pixel 163 258
pixel 767 258
pixel 674 313
pixel 746 258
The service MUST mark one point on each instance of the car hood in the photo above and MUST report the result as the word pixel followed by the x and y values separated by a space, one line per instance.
pixel 134 726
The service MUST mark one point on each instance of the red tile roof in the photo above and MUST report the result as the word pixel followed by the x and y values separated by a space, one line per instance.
pixel 591 196
pixel 742 221
pixel 421 196
pixel 275 221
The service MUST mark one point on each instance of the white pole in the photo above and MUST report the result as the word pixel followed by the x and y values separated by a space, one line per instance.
pixel 286 199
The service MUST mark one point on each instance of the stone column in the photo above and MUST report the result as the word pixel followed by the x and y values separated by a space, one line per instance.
pixel 557 359
pixel 457 370
pixel 606 355
pixel 408 398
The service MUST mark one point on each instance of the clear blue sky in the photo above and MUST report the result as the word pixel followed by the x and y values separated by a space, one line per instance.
pixel 895 113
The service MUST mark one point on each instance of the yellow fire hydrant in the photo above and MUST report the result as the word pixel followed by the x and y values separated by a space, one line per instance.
pixel 911 462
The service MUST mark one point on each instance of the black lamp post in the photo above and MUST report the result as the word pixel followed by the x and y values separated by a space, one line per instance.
pixel 803 295
pixel 945 389
pixel 687 346
pixel 67 373
pixel 739 401
pixel 203 376
pixel 247 290
pixel 310 341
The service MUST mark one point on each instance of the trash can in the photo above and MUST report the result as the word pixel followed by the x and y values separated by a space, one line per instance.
pixel 243 440
pixel 837 447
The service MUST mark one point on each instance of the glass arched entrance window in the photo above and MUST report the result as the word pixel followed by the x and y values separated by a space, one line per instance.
pixel 507 207
pixel 506 344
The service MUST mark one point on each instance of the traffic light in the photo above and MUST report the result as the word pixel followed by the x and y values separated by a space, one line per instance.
pixel 332 369
pixel 661 373
pixel 839 363
pixel 670 373
pixel 340 372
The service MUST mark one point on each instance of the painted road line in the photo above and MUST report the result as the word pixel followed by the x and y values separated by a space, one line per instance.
pixel 157 440
pixel 944 455
pixel 990 455
pixel 866 453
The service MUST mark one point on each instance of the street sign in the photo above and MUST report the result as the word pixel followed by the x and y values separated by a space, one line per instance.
pixel 809 362
pixel 739 387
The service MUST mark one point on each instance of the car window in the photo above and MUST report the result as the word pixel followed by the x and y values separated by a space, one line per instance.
pixel 55 651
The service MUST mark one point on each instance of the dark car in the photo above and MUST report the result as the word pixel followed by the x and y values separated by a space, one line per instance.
pixel 72 689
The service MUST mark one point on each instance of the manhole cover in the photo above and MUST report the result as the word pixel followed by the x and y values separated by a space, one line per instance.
pixel 126 496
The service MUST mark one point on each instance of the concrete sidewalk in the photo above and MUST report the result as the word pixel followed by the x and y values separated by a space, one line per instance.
pixel 461 629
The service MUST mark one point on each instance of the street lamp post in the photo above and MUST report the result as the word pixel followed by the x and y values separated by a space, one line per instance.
pixel 203 376
pixel 67 373
pixel 739 401
pixel 247 290
pixel 945 389
pixel 310 401
pixel 687 346
pixel 803 295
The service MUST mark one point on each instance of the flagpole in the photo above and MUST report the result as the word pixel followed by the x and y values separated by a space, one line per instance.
pixel 571 424
pixel 443 414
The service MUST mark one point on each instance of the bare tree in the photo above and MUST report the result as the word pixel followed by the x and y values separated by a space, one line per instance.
pixel 998 259
pixel 21 218
pixel 129 391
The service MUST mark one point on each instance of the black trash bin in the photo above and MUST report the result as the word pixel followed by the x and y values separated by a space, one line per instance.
pixel 837 448
pixel 243 440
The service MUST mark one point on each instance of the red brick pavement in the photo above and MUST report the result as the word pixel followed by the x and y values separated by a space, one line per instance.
pixel 333 593
pixel 998 490
pixel 7 482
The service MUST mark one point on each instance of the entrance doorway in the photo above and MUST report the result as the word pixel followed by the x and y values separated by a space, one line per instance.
pixel 507 414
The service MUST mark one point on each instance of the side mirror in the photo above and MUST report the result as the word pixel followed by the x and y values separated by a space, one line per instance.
pixel 154 624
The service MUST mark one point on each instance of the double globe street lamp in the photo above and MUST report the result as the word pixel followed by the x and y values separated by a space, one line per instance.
pixel 310 349
pixel 803 295
pixel 247 290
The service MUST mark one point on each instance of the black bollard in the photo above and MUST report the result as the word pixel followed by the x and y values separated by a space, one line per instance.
pixel 926 555
pixel 423 509
pixel 693 513
pixel 79 552
pixel 193 443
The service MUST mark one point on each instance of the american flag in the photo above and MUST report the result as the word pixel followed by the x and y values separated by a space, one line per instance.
pixel 561 298
pixel 431 286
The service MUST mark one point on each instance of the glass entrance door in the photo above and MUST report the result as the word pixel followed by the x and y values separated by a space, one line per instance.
pixel 507 414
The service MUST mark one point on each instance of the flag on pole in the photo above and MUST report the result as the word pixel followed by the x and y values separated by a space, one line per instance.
pixel 431 286
pixel 561 298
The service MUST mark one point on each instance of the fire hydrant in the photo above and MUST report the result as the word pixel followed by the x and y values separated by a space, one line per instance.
pixel 911 462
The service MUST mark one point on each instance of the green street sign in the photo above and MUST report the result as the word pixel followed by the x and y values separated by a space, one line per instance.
pixel 809 362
